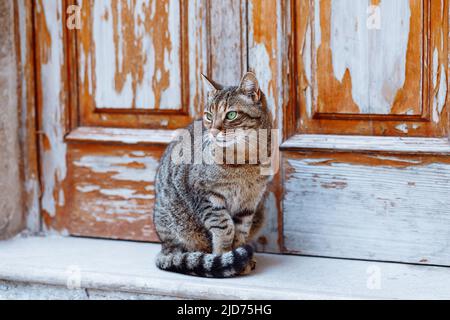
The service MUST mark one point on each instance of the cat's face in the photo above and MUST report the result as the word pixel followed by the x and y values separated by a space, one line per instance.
pixel 231 110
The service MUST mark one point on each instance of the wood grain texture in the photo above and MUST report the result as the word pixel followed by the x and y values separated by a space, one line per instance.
pixel 102 135
pixel 132 61
pixel 363 68
pixel 227 36
pixel 52 104
pixel 97 161
pixel 111 191
pixel 269 57
pixel 343 90
pixel 121 136
pixel 373 207
pixel 135 53
pixel 340 143
pixel 27 111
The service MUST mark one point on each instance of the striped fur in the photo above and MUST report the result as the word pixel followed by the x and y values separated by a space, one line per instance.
pixel 210 265
pixel 206 213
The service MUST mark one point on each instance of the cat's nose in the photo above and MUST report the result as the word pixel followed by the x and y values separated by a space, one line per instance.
pixel 214 132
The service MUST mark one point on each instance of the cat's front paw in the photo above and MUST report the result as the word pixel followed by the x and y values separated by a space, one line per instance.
pixel 251 265
pixel 247 270
pixel 238 242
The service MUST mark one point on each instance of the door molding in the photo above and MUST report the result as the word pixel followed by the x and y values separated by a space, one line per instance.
pixel 302 115
pixel 341 143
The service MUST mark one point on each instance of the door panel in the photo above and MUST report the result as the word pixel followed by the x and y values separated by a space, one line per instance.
pixel 368 206
pixel 366 156
pixel 132 50
pixel 110 96
pixel 363 111
pixel 132 64
pixel 363 60
pixel 371 67
pixel 111 190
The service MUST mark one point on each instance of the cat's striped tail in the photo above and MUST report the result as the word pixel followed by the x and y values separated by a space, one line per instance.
pixel 211 265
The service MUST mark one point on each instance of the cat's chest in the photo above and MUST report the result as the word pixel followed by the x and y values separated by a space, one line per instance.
pixel 243 195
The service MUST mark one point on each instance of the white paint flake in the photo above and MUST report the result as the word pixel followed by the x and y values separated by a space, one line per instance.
pixel 54 159
pixel 117 166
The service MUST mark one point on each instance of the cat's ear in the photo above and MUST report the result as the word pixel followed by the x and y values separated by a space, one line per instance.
pixel 249 85
pixel 211 85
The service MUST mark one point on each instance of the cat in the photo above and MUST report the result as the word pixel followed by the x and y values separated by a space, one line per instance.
pixel 206 214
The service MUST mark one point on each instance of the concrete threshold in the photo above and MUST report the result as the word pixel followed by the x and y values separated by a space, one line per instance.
pixel 79 268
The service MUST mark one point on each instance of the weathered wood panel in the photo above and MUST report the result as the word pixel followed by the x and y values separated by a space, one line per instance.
pixel 111 191
pixel 198 55
pixel 368 206
pixel 52 94
pixel 370 68
pixel 364 61
pixel 339 143
pixel 132 62
pixel 130 54
pixel 26 96
pixel 98 163
pixel 268 56
pixel 227 37
pixel 121 136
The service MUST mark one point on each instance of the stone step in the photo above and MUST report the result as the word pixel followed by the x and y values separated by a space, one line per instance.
pixel 79 268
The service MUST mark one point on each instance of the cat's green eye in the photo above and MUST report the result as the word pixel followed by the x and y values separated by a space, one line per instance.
pixel 231 115
pixel 208 116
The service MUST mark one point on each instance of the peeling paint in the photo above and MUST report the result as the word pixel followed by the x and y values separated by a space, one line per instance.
pixel 403 127
pixel 359 84
pixel 376 59
pixel 307 64
pixel 87 188
pixel 441 97
pixel 53 159
pixel 125 193
pixel 261 58
pixel 135 57
pixel 27 104
pixel 118 169
pixel 397 213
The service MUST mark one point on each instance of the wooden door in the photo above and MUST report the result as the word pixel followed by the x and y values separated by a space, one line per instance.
pixel 110 95
pixel 366 165
pixel 358 89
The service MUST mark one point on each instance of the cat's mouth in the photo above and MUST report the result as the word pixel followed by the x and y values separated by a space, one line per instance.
pixel 223 139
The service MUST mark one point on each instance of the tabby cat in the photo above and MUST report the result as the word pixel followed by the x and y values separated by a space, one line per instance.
pixel 207 213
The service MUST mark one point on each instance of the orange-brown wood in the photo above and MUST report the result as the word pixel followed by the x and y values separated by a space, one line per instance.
pixel 326 105
pixel 109 192
pixel 131 65
pixel 269 57
pixel 97 163
pixel 98 182
pixel 23 12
